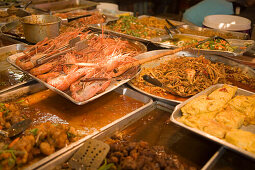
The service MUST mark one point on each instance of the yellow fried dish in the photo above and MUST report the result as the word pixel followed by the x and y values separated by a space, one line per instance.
pixel 245 105
pixel 211 103
pixel 221 115
pixel 205 123
pixel 225 93
pixel 230 118
pixel 242 139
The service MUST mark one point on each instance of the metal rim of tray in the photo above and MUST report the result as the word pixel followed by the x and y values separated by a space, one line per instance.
pixel 215 52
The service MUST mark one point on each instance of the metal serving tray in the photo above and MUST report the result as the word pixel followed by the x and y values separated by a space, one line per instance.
pixel 38 87
pixel 239 44
pixel 65 6
pixel 177 114
pixel 14 47
pixel 122 125
pixel 240 35
pixel 114 84
pixel 155 63
pixel 5 30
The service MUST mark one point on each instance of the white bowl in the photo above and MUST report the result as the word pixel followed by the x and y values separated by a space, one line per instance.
pixel 227 22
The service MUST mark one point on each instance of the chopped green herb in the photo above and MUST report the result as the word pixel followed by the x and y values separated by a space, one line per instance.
pixel 105 166
pixel 11 162
pixel 70 135
pixel 34 131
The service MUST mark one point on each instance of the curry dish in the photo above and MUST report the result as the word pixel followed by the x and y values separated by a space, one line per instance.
pixel 56 123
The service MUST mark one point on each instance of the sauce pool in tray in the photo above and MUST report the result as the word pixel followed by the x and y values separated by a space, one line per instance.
pixel 87 118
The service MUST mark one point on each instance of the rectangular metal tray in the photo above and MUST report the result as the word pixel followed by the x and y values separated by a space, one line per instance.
pixel 121 125
pixel 177 114
pixel 38 87
pixel 114 84
pixel 240 35
pixel 65 6
pixel 213 58
pixel 233 42
pixel 14 47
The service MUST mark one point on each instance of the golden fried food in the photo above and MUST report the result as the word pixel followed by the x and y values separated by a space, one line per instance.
pixel 230 118
pixel 211 103
pixel 242 139
pixel 225 93
pixel 245 105
pixel 205 123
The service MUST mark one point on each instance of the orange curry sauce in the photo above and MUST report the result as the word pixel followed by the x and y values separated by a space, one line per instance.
pixel 89 117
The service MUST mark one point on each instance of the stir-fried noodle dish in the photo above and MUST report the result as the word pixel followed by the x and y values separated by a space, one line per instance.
pixel 191 75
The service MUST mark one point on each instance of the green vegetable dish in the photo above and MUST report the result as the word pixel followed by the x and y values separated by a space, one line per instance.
pixel 131 26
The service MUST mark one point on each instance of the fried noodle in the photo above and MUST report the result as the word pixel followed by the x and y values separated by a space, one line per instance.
pixel 191 75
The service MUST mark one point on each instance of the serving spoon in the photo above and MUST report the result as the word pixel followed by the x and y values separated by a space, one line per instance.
pixel 16 128
pixel 156 82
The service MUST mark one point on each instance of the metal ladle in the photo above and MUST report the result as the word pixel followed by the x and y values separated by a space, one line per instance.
pixel 16 128
pixel 156 82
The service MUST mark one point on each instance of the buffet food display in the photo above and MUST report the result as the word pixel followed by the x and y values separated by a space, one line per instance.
pixel 76 88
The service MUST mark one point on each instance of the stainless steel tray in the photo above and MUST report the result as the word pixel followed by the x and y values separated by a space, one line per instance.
pixel 15 47
pixel 38 87
pixel 6 29
pixel 65 6
pixel 239 35
pixel 121 125
pixel 249 44
pixel 177 114
pixel 114 84
pixel 155 63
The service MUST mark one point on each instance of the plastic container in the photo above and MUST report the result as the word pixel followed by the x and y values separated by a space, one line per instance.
pixel 228 22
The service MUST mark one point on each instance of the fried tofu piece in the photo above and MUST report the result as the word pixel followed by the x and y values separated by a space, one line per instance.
pixel 225 93
pixel 230 117
pixel 206 124
pixel 212 103
pixel 242 139
pixel 245 105
pixel 202 104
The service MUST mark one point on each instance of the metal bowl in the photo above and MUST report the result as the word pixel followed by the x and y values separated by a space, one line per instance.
pixel 38 27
